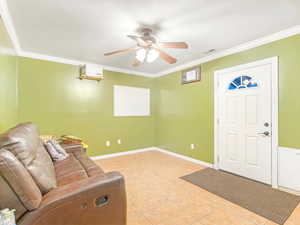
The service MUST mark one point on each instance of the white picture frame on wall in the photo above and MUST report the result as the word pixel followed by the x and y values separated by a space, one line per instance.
pixel 131 101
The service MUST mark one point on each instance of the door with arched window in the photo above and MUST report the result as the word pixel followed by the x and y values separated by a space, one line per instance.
pixel 244 122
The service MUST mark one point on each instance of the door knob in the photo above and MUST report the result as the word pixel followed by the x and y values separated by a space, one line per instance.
pixel 265 134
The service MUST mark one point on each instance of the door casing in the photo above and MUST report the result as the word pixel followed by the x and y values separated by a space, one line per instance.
pixel 273 61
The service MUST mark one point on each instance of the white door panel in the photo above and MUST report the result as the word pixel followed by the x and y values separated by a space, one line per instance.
pixel 244 108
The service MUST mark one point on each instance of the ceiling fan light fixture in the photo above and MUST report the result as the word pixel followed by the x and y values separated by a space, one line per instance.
pixel 152 55
pixel 141 54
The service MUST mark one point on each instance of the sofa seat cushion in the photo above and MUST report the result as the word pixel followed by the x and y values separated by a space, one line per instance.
pixel 91 168
pixel 69 170
pixel 24 142
pixel 76 167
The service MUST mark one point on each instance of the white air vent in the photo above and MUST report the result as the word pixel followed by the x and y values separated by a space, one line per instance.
pixel 91 72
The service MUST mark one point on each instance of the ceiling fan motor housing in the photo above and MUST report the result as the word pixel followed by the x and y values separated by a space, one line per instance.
pixel 147 35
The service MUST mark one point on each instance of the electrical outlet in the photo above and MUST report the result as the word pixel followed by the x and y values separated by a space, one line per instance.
pixel 119 141
pixel 192 146
pixel 107 143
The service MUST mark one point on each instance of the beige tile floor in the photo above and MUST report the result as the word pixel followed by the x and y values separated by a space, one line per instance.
pixel 156 195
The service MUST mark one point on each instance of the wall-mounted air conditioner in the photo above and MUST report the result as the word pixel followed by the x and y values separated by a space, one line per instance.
pixel 91 72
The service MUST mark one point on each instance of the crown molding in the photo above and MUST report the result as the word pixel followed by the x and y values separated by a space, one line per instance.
pixel 5 15
pixel 4 12
pixel 240 48
pixel 79 63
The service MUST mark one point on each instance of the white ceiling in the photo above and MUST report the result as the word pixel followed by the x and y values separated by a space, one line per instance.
pixel 84 29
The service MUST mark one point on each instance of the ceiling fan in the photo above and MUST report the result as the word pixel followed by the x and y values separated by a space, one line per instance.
pixel 148 48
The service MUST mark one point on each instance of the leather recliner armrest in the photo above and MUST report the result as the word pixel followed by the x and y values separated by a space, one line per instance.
pixel 72 148
pixel 98 200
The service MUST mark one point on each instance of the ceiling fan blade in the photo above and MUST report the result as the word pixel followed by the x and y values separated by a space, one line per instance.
pixel 133 37
pixel 138 39
pixel 136 63
pixel 173 45
pixel 121 51
pixel 165 56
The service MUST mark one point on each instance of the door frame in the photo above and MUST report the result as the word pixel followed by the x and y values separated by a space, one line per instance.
pixel 274 101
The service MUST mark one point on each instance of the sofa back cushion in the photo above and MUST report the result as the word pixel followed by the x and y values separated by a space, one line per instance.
pixel 17 178
pixel 24 142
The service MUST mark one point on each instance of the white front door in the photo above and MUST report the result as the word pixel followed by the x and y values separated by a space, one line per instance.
pixel 244 122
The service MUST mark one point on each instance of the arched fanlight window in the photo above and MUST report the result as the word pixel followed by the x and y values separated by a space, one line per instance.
pixel 242 82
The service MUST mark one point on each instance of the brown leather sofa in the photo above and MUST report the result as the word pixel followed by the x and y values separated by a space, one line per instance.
pixel 74 191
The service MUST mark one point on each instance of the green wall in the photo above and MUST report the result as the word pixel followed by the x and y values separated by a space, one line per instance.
pixel 8 81
pixel 185 112
pixel 52 96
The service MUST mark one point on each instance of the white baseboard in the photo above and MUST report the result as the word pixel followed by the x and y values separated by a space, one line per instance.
pixel 123 153
pixel 202 163
pixel 153 149
pixel 291 191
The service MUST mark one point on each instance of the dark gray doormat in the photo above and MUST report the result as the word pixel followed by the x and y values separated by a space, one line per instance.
pixel 259 198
